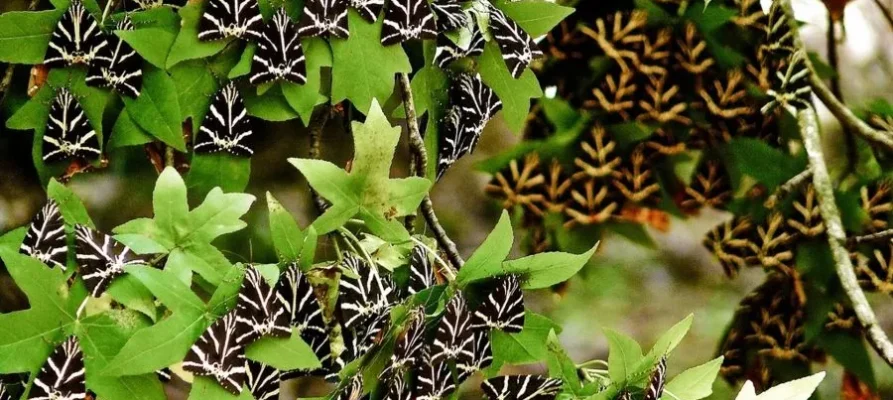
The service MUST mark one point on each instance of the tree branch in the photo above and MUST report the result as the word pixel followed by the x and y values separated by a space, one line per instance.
pixel 7 75
pixel 786 188
pixel 821 179
pixel 886 11
pixel 874 237
pixel 417 148
pixel 317 126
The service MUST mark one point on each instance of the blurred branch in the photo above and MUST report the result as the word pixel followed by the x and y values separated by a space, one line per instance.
pixel 888 14
pixel 786 188
pixel 317 126
pixel 821 179
pixel 417 148
pixel 874 237
pixel 7 75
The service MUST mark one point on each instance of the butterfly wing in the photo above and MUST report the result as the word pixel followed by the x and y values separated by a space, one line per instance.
pixel 406 20
pixel 227 127
pixel 45 239
pixel 262 380
pixel 503 309
pixel 68 133
pixel 324 18
pixel 101 259
pixel 518 48
pixel 77 38
pixel 62 376
pixel 219 354
pixel 120 68
pixel 521 387
pixel 260 309
pixel 280 54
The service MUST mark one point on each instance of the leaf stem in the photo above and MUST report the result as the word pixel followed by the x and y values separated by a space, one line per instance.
pixel 168 156
pixel 417 148
pixel 821 179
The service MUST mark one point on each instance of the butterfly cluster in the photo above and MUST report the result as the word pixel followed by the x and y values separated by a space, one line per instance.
pixel 473 104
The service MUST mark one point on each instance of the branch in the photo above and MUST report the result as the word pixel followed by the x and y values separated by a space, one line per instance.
pixel 874 237
pixel 317 126
pixel 417 148
pixel 785 189
pixel 847 119
pixel 821 179
pixel 7 75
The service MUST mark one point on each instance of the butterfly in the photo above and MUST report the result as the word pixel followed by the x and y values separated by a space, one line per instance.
pixel 421 273
pixel 279 53
pixel 450 15
pixel 259 308
pixel 120 67
pixel 410 348
pixel 219 355
pixel 521 387
pixel 452 143
pixel 101 259
pixel 363 297
pixel 296 295
pixel 434 381
pixel 656 383
pixel 353 390
pixel 447 51
pixel 518 48
pixel 321 346
pixel 165 374
pixel 45 239
pixel 262 380
pixel 77 38
pixel 68 133
pixel 397 388
pixel 503 309
pixel 475 356
pixel 227 126
pixel 454 330
pixel 405 20
pixel 477 104
pixel 323 18
pixel 230 18
pixel 62 376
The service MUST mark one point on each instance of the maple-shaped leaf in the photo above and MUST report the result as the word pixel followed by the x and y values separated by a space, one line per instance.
pixel 363 69
pixel 185 235
pixel 367 191
pixel 28 336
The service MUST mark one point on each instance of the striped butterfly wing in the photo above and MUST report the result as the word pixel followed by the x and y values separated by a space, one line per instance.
pixel 503 309
pixel 279 55
pixel 262 380
pixel 120 68
pixel 447 51
pixel 45 239
pixel 77 39
pixel 521 387
pixel 225 19
pixel 450 15
pixel 421 272
pixel 62 376
pixel 68 133
pixel 434 381
pixel 368 9
pixel 219 354
pixel 363 295
pixel 101 259
pixel 476 356
pixel 518 48
pixel 406 20
pixel 453 331
pixel 324 18
pixel 259 309
pixel 227 127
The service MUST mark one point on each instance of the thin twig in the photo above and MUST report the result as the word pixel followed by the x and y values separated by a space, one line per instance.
pixel 417 148
pixel 886 11
pixel 317 126
pixel 785 189
pixel 7 75
pixel 105 12
pixel 847 119
pixel 852 153
pixel 874 237
pixel 169 156
pixel 821 179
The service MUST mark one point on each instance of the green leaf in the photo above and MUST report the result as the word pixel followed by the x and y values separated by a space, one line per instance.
pixel 221 170
pixel 24 35
pixel 487 259
pixel 694 383
pixel 196 86
pixel 28 336
pixel 623 355
pixel 671 338
pixel 560 364
pixel 206 388
pixel 126 132
pixel 13 239
pixel 153 44
pixel 362 69
pixel 287 236
pixel 100 337
pixel 367 191
pixel 243 67
pixel 283 353
pixel 128 291
pixel 800 389
pixel 546 269
pixel 764 163
pixel 157 109
pixel 171 292
pixel 158 346
pixel 537 18
pixel 515 94
pixel 527 346
pixel 187 46
pixel 303 98
pixel 850 352
pixel 71 207
pixel 271 106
